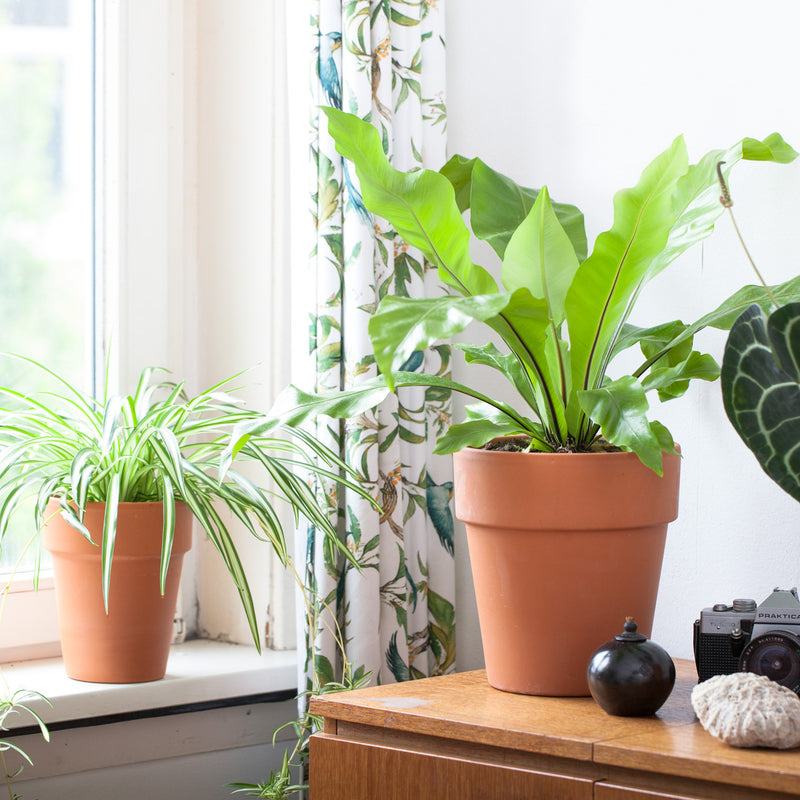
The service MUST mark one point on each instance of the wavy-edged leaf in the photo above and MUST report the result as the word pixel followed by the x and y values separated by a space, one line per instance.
pixel 293 405
pixel 654 341
pixel 673 381
pixel 298 406
pixel 402 325
pixel 620 408
pixel 694 208
pixel 729 310
pixel 598 300
pixel 696 196
pixel 498 205
pixel 525 327
pixel 483 424
pixel 761 390
pixel 420 205
pixel 488 355
pixel 540 257
pixel 721 318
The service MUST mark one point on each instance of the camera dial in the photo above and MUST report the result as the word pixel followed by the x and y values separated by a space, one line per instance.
pixel 775 654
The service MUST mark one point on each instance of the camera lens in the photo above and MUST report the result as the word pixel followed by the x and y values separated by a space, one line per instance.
pixel 775 654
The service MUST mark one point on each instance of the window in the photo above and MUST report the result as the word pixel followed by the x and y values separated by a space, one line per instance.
pixel 191 263
pixel 46 247
pixel 45 198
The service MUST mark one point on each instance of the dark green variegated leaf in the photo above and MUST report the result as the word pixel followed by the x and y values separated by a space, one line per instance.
pixel 761 390
pixel 402 325
pixel 620 409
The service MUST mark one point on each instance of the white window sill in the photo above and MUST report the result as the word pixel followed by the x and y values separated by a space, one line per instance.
pixel 198 672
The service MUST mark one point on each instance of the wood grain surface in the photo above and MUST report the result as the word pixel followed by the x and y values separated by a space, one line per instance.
pixel 459 730
pixel 464 707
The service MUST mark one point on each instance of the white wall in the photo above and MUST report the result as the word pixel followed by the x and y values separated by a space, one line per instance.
pixel 581 96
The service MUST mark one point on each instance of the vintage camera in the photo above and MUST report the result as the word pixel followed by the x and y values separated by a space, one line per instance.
pixel 743 637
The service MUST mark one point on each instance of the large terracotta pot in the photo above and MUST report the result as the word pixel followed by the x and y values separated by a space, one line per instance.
pixel 130 644
pixel 563 547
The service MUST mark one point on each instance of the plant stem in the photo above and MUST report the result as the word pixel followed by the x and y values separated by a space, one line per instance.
pixel 750 259
pixel 6 776
pixel 727 203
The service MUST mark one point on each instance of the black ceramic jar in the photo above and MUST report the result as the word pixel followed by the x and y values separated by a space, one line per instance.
pixel 630 676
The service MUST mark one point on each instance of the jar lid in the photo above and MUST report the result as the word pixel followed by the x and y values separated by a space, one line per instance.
pixel 630 632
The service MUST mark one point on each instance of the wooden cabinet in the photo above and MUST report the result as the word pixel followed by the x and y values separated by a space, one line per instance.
pixel 611 791
pixel 456 738
pixel 391 772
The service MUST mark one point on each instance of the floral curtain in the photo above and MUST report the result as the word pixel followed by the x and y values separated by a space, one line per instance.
pixel 384 61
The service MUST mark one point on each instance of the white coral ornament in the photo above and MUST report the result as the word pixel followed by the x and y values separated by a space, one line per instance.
pixel 747 710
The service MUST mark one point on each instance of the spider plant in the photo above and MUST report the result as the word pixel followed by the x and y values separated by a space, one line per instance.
pixel 18 703
pixel 157 444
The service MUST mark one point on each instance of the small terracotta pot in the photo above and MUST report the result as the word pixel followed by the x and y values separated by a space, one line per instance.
pixel 563 546
pixel 131 643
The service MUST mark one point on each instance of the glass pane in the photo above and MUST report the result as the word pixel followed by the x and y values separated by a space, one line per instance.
pixel 46 135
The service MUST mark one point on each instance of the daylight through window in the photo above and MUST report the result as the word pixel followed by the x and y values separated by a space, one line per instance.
pixel 46 140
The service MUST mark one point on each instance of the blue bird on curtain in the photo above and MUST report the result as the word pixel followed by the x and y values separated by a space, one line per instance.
pixel 332 88
pixel 438 498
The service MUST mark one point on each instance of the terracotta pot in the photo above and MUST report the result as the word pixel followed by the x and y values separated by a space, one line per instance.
pixel 563 548
pixel 131 643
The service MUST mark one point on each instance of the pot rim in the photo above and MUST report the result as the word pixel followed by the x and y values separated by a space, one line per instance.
pixel 475 451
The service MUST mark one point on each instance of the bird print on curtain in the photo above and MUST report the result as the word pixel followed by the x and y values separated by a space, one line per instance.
pixel 395 617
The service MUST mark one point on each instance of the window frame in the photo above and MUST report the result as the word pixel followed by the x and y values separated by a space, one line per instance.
pixel 137 178
pixel 154 165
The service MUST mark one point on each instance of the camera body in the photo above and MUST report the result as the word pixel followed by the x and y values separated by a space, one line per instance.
pixel 745 637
